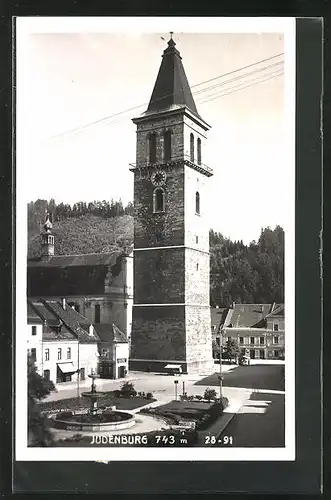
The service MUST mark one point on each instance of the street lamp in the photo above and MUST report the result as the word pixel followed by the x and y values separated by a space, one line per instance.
pixel 220 377
pixel 176 384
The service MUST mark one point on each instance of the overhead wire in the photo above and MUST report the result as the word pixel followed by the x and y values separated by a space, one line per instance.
pixel 235 89
pixel 100 120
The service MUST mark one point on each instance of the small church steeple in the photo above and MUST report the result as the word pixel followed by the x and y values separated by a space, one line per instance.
pixel 47 238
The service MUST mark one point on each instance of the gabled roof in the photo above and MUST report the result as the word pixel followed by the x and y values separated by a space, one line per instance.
pixel 247 315
pixel 33 317
pixel 53 328
pixel 278 310
pixel 65 275
pixel 109 332
pixel 217 316
pixel 171 88
pixel 72 320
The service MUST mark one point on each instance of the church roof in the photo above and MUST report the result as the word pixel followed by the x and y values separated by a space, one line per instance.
pixel 171 89
pixel 65 275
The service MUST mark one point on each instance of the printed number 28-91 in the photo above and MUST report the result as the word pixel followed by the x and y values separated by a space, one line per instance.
pixel 214 440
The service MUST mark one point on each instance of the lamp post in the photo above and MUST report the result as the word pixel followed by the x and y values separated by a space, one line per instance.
pixel 220 376
pixel 183 387
pixel 176 384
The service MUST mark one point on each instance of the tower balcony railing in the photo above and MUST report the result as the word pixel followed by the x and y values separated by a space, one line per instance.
pixel 201 167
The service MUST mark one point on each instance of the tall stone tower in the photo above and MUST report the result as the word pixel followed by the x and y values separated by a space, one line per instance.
pixel 171 311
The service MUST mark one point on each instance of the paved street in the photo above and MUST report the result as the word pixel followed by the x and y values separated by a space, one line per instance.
pixel 259 423
pixel 268 376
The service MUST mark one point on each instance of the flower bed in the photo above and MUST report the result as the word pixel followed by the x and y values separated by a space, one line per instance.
pixel 203 413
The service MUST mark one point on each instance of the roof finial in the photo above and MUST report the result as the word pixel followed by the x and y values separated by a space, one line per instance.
pixel 171 33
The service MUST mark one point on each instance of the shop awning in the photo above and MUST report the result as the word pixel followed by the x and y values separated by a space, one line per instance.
pixel 66 367
pixel 173 366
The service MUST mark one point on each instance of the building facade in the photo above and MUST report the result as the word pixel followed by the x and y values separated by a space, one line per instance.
pixel 66 347
pixel 259 330
pixel 171 312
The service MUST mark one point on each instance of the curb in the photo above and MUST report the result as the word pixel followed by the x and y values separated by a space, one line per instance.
pixel 224 421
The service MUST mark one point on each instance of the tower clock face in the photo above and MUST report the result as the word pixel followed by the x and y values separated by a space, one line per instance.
pixel 158 178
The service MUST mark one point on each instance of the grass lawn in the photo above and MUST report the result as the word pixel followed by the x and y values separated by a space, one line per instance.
pixel 108 399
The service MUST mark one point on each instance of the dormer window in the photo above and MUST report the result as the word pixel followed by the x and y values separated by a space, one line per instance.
pixel 158 200
pixel 152 148
pixel 197 203
pixel 167 145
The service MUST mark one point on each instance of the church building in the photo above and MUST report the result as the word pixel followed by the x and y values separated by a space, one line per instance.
pixel 171 309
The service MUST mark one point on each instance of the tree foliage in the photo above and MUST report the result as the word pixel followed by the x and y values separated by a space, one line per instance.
pixel 231 350
pixel 210 394
pixel 247 274
pixel 39 432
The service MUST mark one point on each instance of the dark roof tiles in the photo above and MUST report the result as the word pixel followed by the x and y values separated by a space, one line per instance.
pixel 65 275
pixel 247 315
pixel 72 320
pixel 171 87
pixel 110 333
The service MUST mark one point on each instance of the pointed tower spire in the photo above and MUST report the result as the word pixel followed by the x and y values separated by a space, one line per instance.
pixel 171 89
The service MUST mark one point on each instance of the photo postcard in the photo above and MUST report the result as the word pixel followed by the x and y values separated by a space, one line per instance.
pixel 155 259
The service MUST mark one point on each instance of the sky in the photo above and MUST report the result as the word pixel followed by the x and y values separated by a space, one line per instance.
pixel 68 80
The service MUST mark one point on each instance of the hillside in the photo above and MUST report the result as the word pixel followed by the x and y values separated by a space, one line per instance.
pixel 87 234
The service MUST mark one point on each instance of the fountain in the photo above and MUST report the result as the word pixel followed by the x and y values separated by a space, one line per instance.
pixel 94 419
pixel 93 395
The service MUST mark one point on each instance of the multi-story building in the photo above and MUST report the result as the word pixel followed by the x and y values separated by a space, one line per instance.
pixel 66 346
pixel 259 330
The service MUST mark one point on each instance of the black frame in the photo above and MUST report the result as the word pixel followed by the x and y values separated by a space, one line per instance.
pixel 305 474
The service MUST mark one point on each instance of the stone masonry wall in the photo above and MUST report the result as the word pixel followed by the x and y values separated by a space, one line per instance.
pixel 196 277
pixel 159 229
pixel 196 225
pixel 158 125
pixel 158 333
pixel 198 334
pixel 159 276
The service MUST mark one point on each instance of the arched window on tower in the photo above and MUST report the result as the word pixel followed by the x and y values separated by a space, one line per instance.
pixel 158 200
pixel 152 148
pixel 192 148
pixel 197 203
pixel 199 150
pixel 167 145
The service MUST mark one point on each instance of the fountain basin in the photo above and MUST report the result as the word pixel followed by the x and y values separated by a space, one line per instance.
pixel 99 422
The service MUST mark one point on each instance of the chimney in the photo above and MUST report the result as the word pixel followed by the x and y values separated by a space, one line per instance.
pixel 233 305
pixel 64 304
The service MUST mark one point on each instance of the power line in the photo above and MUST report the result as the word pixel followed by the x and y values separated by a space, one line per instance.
pixel 114 122
pixel 100 120
pixel 239 77
pixel 243 87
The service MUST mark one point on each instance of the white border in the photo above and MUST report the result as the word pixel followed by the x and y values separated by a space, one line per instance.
pixel 141 25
